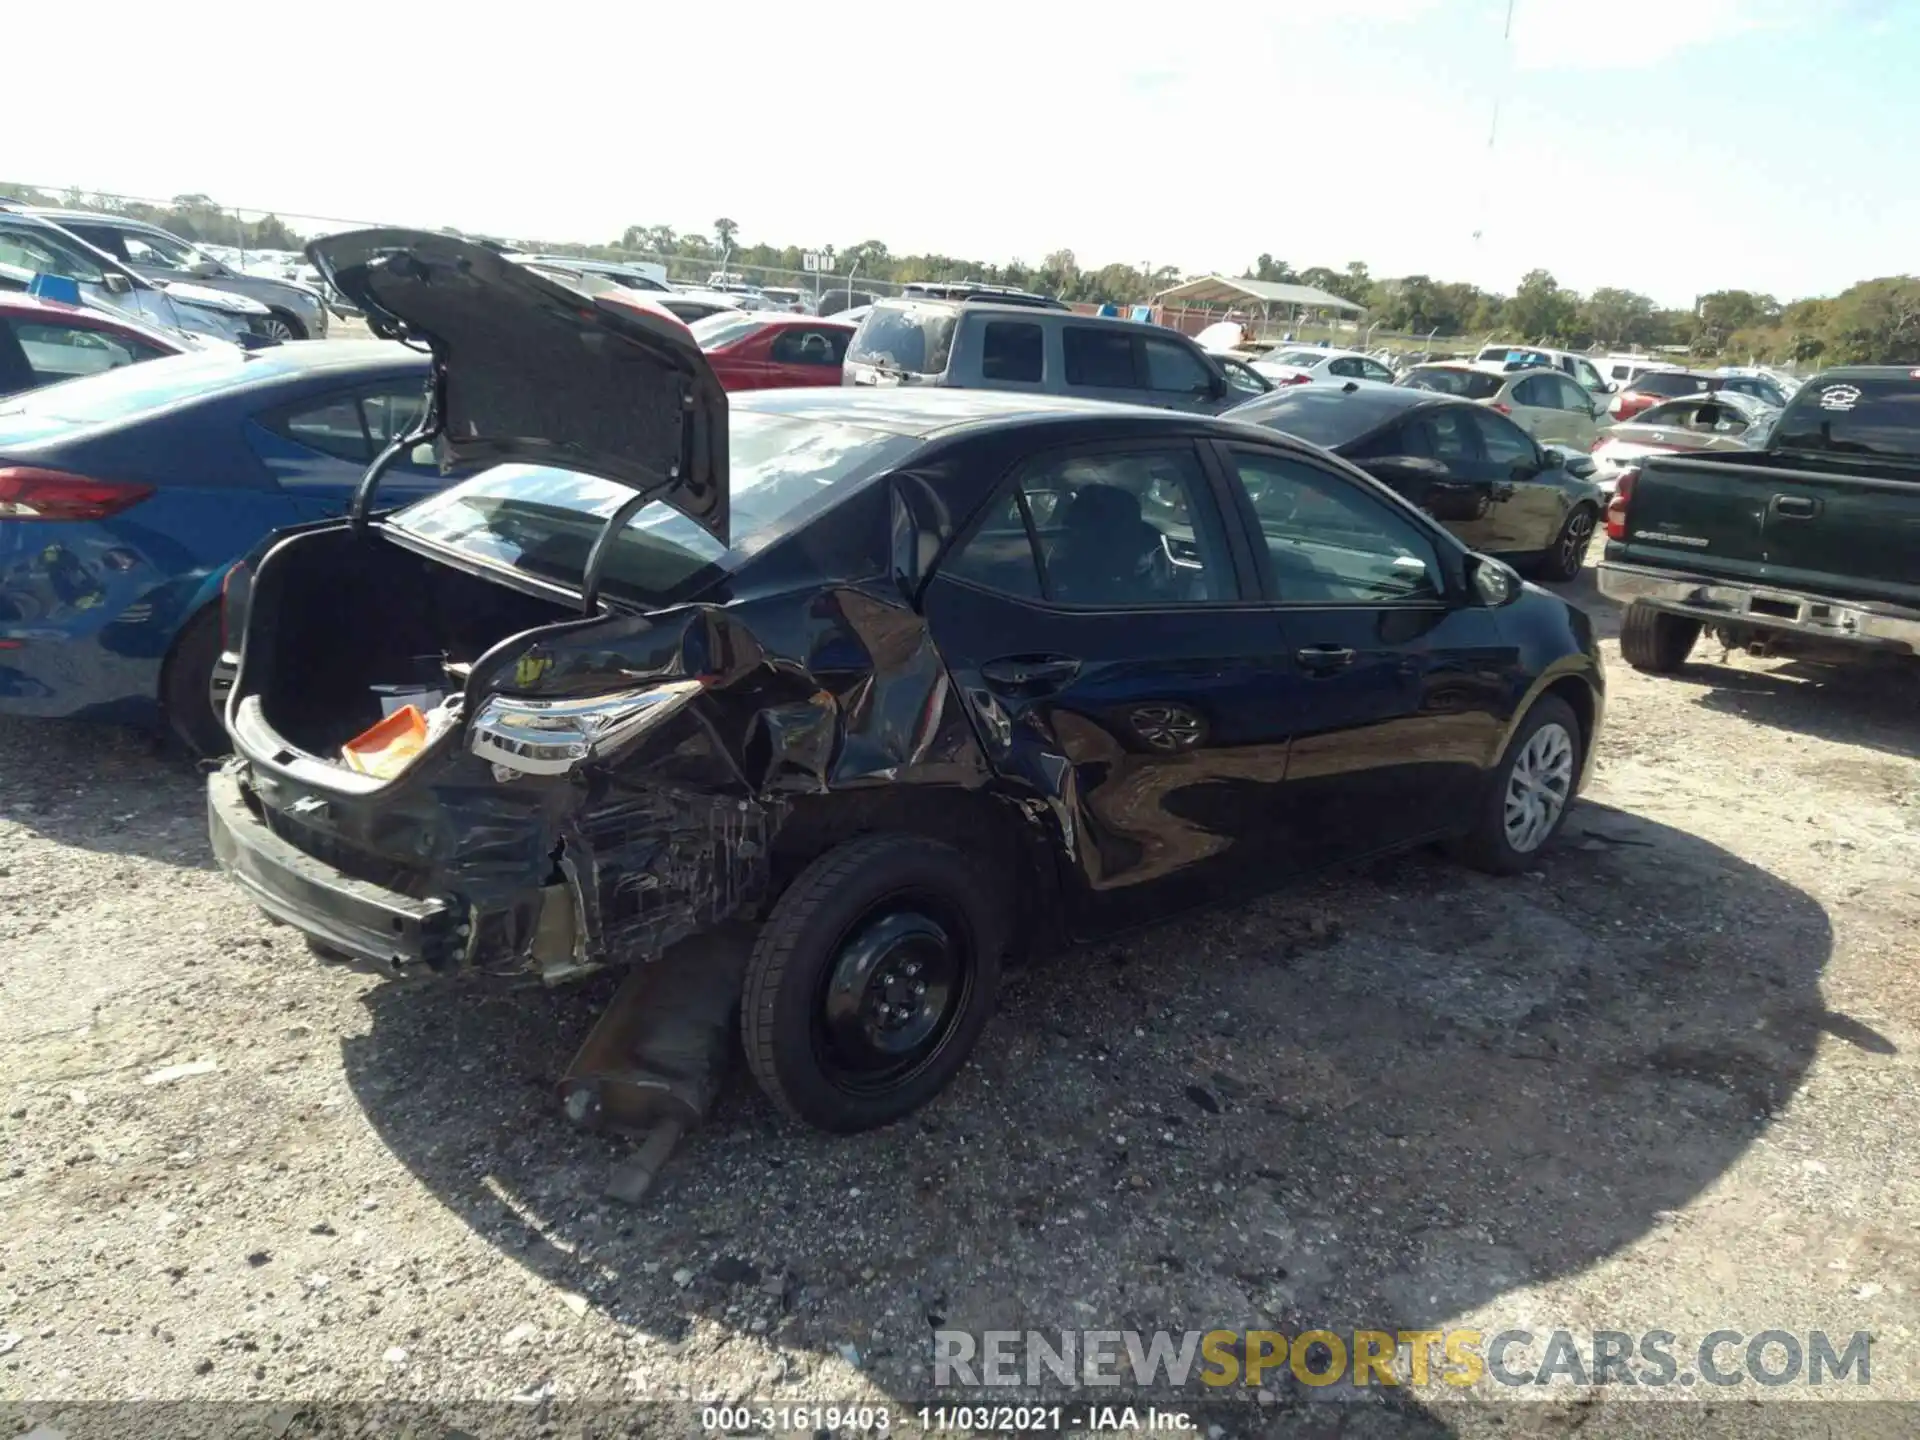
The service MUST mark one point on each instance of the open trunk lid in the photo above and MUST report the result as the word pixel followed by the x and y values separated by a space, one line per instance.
pixel 530 370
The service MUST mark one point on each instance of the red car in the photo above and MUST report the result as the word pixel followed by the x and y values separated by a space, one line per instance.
pixel 1656 387
pixel 768 350
pixel 45 341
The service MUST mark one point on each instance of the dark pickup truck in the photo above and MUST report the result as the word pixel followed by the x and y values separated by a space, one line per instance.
pixel 1808 548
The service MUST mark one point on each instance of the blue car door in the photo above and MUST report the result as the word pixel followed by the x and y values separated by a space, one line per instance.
pixel 318 447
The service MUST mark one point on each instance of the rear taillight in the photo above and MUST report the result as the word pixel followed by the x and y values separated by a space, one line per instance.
pixel 1598 441
pixel 235 590
pixel 1502 407
pixel 30 493
pixel 1617 507
pixel 1294 379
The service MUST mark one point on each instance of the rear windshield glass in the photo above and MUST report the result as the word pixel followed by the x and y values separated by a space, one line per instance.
pixel 136 390
pixel 1670 382
pixel 1877 417
pixel 911 338
pixel 1321 415
pixel 1295 357
pixel 712 331
pixel 783 471
pixel 1468 384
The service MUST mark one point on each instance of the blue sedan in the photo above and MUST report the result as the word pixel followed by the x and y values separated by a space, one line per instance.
pixel 125 498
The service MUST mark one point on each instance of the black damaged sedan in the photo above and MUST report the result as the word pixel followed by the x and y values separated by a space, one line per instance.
pixel 902 684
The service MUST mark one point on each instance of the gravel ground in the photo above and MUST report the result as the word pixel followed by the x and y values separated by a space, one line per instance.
pixel 1664 1081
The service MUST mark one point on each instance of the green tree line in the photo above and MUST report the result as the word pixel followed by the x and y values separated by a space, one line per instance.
pixel 1872 322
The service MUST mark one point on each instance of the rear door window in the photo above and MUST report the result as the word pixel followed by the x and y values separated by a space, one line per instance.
pixel 1012 351
pixel 58 350
pixel 809 345
pixel 1098 357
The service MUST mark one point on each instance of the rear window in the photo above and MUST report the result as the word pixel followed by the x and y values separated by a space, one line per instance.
pixel 710 332
pixel 1670 382
pixel 1321 414
pixel 1467 384
pixel 782 471
pixel 1098 356
pixel 915 339
pixel 1878 417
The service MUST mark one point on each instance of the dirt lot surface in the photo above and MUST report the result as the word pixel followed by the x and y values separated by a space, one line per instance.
pixel 1666 1081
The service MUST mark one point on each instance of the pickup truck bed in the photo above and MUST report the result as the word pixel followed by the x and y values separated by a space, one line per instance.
pixel 1790 550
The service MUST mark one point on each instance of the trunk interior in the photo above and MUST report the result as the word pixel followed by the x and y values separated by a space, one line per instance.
pixel 335 615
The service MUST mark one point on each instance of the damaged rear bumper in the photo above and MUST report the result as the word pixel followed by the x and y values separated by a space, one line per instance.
pixel 366 921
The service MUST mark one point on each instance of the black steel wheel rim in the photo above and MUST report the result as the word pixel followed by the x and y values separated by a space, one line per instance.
pixel 892 994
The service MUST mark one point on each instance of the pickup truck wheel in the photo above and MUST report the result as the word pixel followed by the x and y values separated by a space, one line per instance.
pixel 1568 552
pixel 1654 641
pixel 185 681
pixel 870 981
pixel 1529 793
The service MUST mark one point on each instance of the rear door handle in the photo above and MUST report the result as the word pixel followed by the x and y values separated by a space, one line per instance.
pixel 1027 674
pixel 1795 507
pixel 1323 659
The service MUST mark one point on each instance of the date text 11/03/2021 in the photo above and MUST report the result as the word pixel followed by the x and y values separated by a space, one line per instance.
pixel 998 1419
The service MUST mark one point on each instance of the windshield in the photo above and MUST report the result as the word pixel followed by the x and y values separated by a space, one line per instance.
pixel 1468 384
pixel 1874 416
pixel 723 328
pixel 912 338
pixel 539 521
pixel 128 392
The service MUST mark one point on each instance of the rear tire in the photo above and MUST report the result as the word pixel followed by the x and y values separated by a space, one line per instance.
pixel 1522 812
pixel 1654 641
pixel 185 682
pixel 871 980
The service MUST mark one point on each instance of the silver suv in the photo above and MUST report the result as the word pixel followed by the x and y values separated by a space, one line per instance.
pixel 298 312
pixel 984 345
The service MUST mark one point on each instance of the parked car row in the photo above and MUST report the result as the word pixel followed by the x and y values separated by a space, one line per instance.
pixel 537 652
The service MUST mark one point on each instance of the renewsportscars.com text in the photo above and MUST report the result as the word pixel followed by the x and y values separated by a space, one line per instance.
pixel 1461 1359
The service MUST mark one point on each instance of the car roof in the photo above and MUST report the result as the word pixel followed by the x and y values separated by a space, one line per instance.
pixel 926 411
pixel 93 217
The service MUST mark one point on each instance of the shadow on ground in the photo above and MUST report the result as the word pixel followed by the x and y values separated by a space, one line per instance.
pixel 1372 1101
pixel 1874 707
pixel 104 788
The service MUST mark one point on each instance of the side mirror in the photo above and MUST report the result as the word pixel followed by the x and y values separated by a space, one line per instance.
pixel 423 456
pixel 116 283
pixel 1491 583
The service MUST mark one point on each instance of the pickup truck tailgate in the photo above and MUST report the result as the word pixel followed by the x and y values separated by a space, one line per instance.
pixel 1752 518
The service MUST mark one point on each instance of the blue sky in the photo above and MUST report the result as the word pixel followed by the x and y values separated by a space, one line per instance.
pixel 1668 147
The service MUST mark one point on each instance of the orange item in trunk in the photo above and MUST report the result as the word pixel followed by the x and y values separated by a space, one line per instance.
pixel 385 749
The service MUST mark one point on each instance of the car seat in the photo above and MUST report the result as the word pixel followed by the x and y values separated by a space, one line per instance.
pixel 1105 554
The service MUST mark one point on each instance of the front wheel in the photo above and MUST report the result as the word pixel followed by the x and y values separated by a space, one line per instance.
pixel 1531 789
pixel 282 327
pixel 871 981
pixel 1569 549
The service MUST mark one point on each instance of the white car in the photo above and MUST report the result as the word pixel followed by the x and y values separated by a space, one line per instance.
pixel 1584 371
pixel 1309 364
pixel 1724 420
pixel 1622 370
pixel 1543 402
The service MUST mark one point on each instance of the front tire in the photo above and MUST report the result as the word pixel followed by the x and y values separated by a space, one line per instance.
pixel 1568 553
pixel 186 681
pixel 282 326
pixel 1654 641
pixel 1530 792
pixel 871 980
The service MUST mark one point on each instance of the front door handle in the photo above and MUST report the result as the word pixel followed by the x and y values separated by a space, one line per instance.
pixel 1323 659
pixel 1795 507
pixel 1028 674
